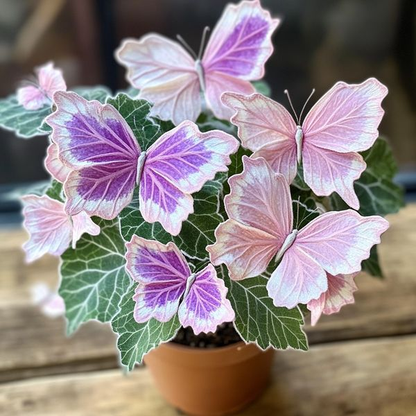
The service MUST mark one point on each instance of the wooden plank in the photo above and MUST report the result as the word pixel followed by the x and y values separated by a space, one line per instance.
pixel 361 378
pixel 32 344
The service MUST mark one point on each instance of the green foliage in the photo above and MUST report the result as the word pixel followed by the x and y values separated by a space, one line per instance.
pixel 31 123
pixel 376 190
pixel 136 113
pixel 258 320
pixel 372 264
pixel 24 123
pixel 93 276
pixel 197 231
pixel 134 339
pixel 262 87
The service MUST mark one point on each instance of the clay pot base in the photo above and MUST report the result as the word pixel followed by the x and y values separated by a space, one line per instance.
pixel 210 382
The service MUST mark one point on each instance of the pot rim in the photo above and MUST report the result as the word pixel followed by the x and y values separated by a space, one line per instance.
pixel 197 350
pixel 205 357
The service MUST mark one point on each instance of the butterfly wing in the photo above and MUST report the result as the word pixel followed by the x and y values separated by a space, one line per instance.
pixel 100 149
pixel 334 243
pixel 82 223
pixel 206 306
pixel 340 241
pixel 54 165
pixel 297 279
pixel 161 272
pixel 267 129
pixel 237 51
pixel 340 292
pixel 343 122
pixel 50 79
pixel 48 226
pixel 177 165
pixel 31 97
pixel 259 208
pixel 165 75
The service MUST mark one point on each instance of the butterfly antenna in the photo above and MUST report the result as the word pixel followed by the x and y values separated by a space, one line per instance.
pixel 203 42
pixel 306 102
pixel 186 46
pixel 297 213
pixel 312 212
pixel 291 105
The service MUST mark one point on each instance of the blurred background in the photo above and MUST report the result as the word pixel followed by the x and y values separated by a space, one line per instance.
pixel 319 43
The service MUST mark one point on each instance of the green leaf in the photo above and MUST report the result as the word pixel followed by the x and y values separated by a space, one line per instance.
pixel 197 231
pixel 31 123
pixel 55 191
pixel 25 123
pixel 136 113
pixel 262 87
pixel 99 93
pixel 258 320
pixel 207 122
pixel 372 264
pixel 377 192
pixel 93 276
pixel 134 339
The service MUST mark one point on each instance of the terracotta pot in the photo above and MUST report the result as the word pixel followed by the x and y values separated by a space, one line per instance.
pixel 210 382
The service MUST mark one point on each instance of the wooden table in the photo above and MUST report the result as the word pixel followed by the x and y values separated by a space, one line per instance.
pixel 362 361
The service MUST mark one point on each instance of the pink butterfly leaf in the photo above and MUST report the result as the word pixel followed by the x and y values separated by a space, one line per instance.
pixel 54 165
pixel 340 292
pixel 167 286
pixel 50 228
pixel 260 227
pixel 341 124
pixel 177 165
pixel 49 80
pixel 106 163
pixel 169 77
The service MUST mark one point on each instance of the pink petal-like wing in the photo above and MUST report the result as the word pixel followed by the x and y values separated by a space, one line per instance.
pixel 340 292
pixel 82 223
pixel 218 83
pixel 48 225
pixel 206 306
pixel 97 144
pixel 31 97
pixel 241 41
pixel 165 74
pixel 261 199
pixel 297 279
pixel 260 210
pixel 50 79
pixel 54 165
pixel 326 171
pixel 347 117
pixel 340 241
pixel 161 272
pixel 267 129
pixel 245 250
pixel 178 164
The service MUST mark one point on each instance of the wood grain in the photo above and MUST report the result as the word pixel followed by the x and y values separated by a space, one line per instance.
pixel 361 378
pixel 34 345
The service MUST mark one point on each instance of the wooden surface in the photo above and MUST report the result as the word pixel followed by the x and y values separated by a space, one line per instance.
pixel 362 361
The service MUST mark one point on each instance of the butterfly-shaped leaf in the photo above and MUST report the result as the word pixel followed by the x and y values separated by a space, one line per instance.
pixel 260 229
pixel 169 77
pixel 341 124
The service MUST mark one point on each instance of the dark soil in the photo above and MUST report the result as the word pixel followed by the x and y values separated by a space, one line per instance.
pixel 225 335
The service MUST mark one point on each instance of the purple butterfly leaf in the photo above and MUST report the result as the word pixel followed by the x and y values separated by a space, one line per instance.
pixel 167 286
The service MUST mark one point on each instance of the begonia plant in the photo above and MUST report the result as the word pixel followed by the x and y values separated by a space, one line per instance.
pixel 193 199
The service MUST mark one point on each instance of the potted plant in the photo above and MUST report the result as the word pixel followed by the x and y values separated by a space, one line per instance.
pixel 196 215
